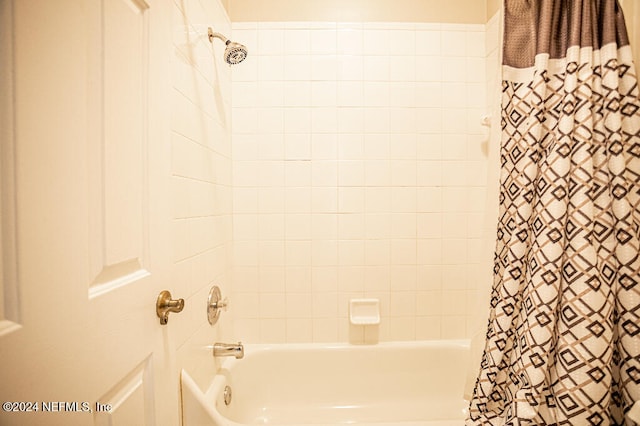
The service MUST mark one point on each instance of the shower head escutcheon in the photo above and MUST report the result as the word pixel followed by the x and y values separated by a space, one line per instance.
pixel 234 53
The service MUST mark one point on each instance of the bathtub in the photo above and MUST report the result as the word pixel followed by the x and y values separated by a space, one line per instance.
pixel 404 383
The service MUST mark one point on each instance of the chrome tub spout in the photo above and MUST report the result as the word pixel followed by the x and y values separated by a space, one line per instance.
pixel 228 349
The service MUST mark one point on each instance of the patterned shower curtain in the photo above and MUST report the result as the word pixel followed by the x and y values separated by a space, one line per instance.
pixel 563 340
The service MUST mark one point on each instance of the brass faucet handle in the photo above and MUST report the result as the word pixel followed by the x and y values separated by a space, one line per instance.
pixel 165 305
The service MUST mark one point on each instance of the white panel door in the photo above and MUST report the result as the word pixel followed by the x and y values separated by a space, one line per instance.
pixel 85 217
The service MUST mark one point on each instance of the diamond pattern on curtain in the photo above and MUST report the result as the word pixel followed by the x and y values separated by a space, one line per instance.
pixel 563 339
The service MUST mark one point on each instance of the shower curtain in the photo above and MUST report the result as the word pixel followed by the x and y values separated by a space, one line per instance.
pixel 563 339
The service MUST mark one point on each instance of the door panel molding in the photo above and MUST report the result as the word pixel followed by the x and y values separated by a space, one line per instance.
pixel 118 145
pixel 130 401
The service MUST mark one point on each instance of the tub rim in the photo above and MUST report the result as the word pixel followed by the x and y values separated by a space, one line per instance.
pixel 208 399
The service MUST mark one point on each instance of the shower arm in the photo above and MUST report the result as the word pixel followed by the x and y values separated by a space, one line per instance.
pixel 213 35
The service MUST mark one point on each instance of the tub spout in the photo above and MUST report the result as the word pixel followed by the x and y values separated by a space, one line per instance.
pixel 228 349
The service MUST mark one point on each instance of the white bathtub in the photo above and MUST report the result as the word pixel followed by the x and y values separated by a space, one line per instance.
pixel 406 383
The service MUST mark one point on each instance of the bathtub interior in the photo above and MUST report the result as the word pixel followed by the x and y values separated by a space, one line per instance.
pixel 413 383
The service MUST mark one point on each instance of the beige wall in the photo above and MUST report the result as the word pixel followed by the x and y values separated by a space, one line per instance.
pixel 492 7
pixel 451 11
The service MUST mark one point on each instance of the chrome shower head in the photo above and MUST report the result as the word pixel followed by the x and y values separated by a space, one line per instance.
pixel 234 53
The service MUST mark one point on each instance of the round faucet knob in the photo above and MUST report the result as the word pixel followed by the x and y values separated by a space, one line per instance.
pixel 214 304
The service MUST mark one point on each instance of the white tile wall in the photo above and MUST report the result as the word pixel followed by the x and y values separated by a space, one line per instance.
pixel 358 171
pixel 201 179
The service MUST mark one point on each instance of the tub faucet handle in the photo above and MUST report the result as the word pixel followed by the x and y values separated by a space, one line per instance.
pixel 215 303
pixel 223 304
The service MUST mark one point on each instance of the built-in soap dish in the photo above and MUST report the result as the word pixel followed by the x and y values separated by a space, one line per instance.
pixel 364 311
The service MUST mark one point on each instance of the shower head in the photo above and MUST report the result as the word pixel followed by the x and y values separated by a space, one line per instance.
pixel 234 53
